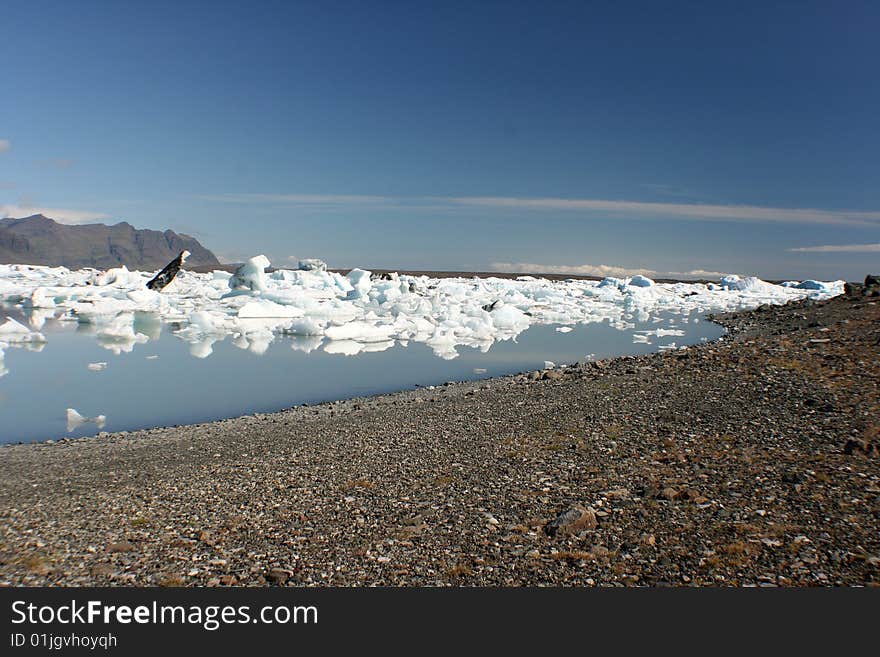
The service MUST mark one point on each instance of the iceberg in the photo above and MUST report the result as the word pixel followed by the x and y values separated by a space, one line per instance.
pixel 358 312
pixel 312 264
pixel 641 281
pixel 266 308
pixel 251 275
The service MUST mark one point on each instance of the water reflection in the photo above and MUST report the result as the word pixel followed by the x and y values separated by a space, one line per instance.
pixel 136 371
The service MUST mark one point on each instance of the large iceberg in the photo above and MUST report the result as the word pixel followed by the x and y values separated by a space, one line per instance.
pixel 251 275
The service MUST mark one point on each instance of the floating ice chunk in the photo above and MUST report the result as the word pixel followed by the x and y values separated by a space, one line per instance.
pixel 205 322
pixel 119 276
pixel 360 281
pixel 360 331
pixel 312 264
pixel 481 370
pixel 97 367
pixel 146 299
pixel 564 329
pixel 13 332
pixel 549 364
pixel 264 308
pixel 509 318
pixel 251 275
pixel 641 281
pixel 306 326
pixel 747 284
pixel 610 281
pixel 75 419
pixel 118 335
pixel 661 332
pixel 151 357
pixel 39 298
pixel 92 309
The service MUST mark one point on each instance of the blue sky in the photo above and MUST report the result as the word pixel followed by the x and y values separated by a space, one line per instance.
pixel 663 137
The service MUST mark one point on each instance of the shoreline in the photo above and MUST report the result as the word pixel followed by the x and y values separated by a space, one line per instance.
pixel 678 459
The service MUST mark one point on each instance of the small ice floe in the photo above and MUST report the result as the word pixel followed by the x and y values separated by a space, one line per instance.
pixel 153 357
pixel 564 329
pixel 661 332
pixel 667 347
pixel 76 419
pixel 549 364
pixel 480 370
pixel 97 367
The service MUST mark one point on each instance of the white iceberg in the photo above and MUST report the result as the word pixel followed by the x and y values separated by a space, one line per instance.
pixel 312 264
pixel 251 275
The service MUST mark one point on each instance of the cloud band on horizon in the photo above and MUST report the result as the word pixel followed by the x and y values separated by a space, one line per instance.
pixel 598 270
pixel 61 215
pixel 628 209
pixel 838 248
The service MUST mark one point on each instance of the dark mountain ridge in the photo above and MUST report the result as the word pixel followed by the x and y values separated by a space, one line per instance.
pixel 39 240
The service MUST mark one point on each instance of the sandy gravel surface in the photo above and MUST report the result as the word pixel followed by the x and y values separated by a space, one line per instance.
pixel 750 461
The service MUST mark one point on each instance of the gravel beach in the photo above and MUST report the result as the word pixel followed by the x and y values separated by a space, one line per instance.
pixel 749 461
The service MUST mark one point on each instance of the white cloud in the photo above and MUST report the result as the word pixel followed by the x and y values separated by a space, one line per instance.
pixel 839 248
pixel 297 199
pixel 597 270
pixel 61 215
pixel 4 145
pixel 577 207
pixel 698 211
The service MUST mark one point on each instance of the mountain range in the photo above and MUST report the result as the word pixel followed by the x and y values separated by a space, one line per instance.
pixel 39 240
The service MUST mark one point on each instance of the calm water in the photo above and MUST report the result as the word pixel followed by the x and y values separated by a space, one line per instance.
pixel 173 387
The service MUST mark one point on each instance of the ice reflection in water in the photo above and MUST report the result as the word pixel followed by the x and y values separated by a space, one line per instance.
pixel 160 379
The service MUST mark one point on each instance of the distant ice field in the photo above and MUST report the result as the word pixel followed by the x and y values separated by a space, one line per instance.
pixel 84 351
